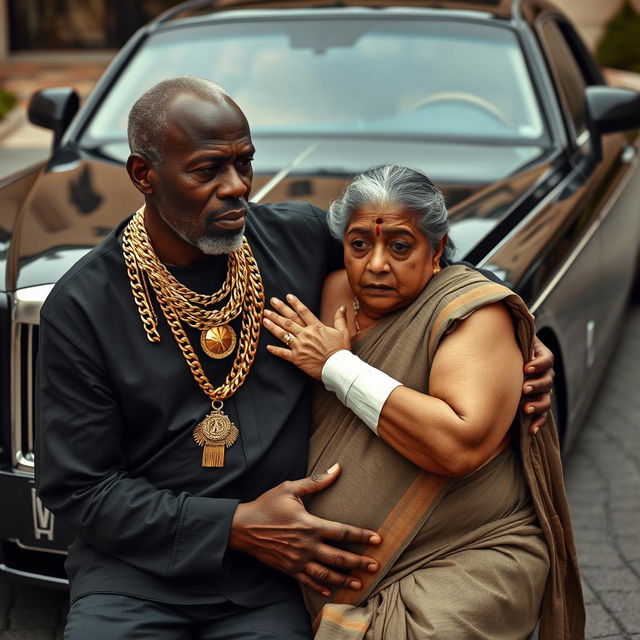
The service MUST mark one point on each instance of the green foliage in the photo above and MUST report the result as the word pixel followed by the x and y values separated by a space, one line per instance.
pixel 7 102
pixel 620 45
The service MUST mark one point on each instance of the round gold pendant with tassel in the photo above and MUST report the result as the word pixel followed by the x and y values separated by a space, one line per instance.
pixel 218 342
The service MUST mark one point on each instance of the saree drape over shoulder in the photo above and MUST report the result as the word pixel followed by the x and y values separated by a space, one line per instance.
pixel 479 557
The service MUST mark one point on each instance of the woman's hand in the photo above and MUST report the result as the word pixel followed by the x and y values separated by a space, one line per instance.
pixel 309 342
pixel 538 385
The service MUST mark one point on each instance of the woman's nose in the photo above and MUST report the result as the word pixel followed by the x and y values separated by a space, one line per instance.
pixel 378 262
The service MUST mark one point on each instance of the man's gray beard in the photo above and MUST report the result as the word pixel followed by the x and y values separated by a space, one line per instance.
pixel 218 245
pixel 213 245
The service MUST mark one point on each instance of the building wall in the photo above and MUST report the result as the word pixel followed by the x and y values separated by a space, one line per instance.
pixel 590 16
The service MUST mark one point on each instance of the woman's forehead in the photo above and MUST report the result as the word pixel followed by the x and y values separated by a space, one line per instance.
pixel 394 214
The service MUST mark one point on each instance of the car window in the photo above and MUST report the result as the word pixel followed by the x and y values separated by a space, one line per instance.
pixel 366 76
pixel 570 81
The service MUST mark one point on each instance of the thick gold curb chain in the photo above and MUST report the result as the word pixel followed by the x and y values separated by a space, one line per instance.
pixel 243 285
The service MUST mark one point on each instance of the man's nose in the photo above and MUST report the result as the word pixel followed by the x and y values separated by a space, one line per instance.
pixel 232 185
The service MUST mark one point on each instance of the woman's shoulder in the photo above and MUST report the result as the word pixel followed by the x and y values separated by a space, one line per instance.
pixel 336 292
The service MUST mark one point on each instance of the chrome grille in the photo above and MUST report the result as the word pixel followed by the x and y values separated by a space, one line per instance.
pixel 25 320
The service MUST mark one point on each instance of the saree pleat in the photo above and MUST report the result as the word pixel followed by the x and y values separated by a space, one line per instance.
pixel 478 557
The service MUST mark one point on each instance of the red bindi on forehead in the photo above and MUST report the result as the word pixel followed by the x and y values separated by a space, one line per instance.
pixel 379 221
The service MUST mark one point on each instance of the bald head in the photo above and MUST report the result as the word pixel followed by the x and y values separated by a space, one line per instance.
pixel 150 115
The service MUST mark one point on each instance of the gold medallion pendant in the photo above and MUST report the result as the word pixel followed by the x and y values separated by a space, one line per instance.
pixel 214 433
pixel 244 292
pixel 218 342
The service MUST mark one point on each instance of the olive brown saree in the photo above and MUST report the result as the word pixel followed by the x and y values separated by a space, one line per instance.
pixel 479 557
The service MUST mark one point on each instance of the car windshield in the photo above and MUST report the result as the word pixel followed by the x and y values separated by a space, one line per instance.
pixel 357 76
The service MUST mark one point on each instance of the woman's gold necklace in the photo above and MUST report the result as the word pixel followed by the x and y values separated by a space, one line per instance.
pixel 243 286
pixel 356 307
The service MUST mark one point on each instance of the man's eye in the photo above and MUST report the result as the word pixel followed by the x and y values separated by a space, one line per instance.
pixel 245 163
pixel 208 169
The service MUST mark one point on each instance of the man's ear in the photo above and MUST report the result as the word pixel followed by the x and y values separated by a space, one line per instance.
pixel 139 168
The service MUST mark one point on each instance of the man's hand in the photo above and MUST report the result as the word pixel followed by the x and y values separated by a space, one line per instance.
pixel 538 385
pixel 277 530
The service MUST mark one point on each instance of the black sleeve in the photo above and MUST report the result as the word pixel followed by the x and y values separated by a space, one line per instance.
pixel 333 247
pixel 81 473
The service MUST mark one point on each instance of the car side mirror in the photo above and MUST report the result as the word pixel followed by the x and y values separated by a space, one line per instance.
pixel 612 109
pixel 54 109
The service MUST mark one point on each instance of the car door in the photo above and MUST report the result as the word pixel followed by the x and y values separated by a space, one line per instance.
pixel 590 283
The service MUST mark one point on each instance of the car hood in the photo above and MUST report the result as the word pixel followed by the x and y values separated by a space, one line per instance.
pixel 79 196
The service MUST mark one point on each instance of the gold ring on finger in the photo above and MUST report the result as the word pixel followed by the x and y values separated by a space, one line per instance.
pixel 287 338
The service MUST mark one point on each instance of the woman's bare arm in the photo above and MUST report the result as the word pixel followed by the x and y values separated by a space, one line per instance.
pixel 474 392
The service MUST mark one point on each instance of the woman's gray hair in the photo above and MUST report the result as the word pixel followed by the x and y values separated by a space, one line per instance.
pixel 394 184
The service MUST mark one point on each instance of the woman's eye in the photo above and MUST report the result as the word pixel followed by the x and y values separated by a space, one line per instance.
pixel 400 247
pixel 358 245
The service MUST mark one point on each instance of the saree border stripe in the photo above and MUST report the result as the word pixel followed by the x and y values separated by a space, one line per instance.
pixel 329 614
pixel 408 512
pixel 462 299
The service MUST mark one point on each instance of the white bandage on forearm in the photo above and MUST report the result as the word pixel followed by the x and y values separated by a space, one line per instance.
pixel 358 385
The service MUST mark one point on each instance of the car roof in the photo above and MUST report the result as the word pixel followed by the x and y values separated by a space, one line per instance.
pixel 495 8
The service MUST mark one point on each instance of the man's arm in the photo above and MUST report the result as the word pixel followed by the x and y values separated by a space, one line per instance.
pixel 82 476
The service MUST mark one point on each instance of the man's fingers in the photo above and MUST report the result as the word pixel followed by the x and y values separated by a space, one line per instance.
pixel 315 482
pixel 304 579
pixel 536 424
pixel 537 404
pixel 345 560
pixel 538 386
pixel 542 358
pixel 324 575
pixel 305 315
pixel 340 532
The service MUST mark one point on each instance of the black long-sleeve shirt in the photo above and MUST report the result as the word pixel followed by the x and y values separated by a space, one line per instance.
pixel 116 460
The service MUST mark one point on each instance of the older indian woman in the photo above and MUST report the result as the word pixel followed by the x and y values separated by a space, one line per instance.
pixel 422 363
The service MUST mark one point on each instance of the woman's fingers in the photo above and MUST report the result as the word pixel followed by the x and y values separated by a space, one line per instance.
pixel 340 319
pixel 281 352
pixel 285 311
pixel 282 334
pixel 303 312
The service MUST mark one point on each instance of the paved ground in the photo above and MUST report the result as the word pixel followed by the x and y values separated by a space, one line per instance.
pixel 603 483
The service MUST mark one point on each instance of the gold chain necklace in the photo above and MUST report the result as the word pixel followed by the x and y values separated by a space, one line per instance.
pixel 243 286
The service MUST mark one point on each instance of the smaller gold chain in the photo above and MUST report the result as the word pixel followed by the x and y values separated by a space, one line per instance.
pixel 191 303
pixel 178 304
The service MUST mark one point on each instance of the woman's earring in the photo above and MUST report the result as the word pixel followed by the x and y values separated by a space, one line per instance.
pixel 436 269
